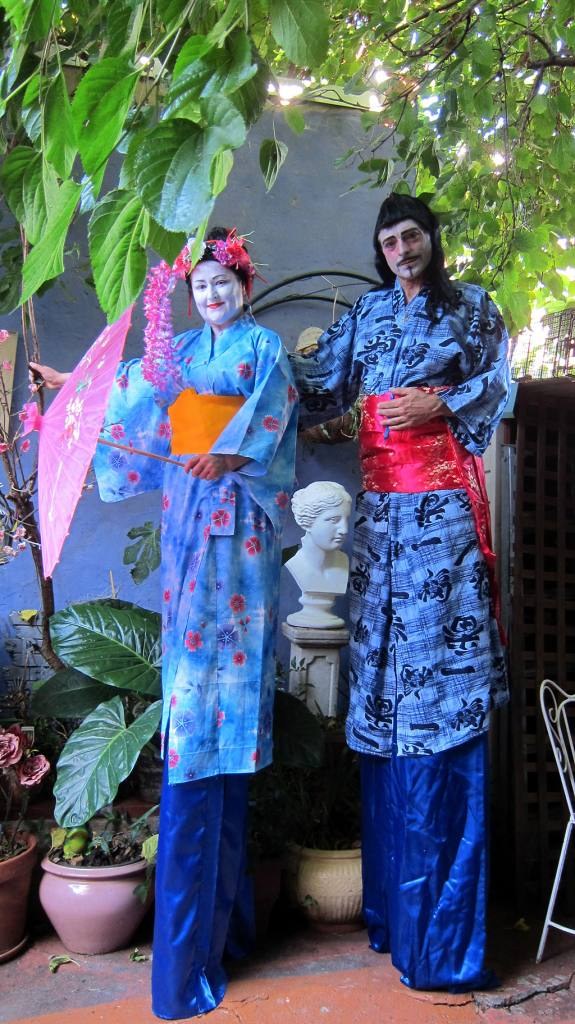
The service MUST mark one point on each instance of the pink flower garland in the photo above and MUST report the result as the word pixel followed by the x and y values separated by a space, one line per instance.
pixel 159 364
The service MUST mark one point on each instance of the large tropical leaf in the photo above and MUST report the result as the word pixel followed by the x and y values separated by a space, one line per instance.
pixel 69 694
pixel 40 194
pixel 218 72
pixel 120 646
pixel 172 172
pixel 12 174
pixel 98 756
pixel 116 250
pixel 47 257
pixel 301 27
pixel 100 108
pixel 60 142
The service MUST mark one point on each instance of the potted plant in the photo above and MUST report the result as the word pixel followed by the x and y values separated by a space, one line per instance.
pixel 320 810
pixel 112 859
pixel 21 768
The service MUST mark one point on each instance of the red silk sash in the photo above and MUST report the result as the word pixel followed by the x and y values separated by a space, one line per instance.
pixel 426 458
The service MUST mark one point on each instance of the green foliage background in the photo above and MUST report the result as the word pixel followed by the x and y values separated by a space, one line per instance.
pixel 477 99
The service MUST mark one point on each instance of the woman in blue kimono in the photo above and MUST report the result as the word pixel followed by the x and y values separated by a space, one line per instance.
pixel 221 555
pixel 428 361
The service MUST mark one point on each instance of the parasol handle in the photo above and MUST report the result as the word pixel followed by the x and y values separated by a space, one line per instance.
pixel 140 451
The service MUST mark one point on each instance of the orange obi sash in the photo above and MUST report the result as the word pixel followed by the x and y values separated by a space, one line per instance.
pixel 425 458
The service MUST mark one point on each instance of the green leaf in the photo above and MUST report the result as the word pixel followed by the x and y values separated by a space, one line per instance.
pixel 167 244
pixel 301 27
pixel 58 961
pixel 39 20
pixel 272 155
pixel 116 251
pixel 16 13
pixel 172 172
pixel 120 646
pixel 32 109
pixel 298 736
pixel 224 122
pixel 222 164
pixel 60 143
pixel 98 756
pixel 562 152
pixel 39 193
pixel 47 257
pixel 251 98
pixel 294 119
pixel 100 107
pixel 217 72
pixel 12 176
pixel 69 694
pixel 144 555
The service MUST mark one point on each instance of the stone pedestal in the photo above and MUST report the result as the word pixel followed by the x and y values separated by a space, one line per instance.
pixel 314 665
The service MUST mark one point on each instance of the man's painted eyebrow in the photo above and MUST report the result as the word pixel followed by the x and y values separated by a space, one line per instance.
pixel 408 231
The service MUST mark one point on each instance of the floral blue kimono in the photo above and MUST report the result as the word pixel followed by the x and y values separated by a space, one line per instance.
pixel 426 662
pixel 221 548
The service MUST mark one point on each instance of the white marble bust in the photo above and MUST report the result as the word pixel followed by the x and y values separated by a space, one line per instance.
pixel 319 568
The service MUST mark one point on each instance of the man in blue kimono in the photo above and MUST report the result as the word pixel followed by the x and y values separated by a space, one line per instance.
pixel 427 359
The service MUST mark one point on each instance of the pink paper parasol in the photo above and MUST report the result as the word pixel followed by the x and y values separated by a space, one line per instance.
pixel 69 432
pixel 68 435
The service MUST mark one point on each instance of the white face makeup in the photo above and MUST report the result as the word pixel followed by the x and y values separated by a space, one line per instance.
pixel 330 527
pixel 218 294
pixel 407 250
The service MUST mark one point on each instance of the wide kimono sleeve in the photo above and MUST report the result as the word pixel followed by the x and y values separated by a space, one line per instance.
pixel 477 403
pixel 328 380
pixel 257 429
pixel 134 419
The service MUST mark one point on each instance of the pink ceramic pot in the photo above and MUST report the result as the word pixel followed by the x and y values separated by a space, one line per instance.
pixel 93 910
pixel 15 878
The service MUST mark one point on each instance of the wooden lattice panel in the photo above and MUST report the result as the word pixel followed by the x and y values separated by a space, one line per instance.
pixel 542 638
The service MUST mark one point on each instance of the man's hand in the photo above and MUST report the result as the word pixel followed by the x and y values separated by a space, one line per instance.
pixel 410 407
pixel 213 467
pixel 46 376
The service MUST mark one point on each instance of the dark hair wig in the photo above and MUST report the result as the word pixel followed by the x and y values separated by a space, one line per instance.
pixel 397 207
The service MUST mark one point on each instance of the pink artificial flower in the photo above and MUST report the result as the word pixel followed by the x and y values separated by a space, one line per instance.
pixel 4 335
pixel 271 423
pixel 159 365
pixel 13 743
pixel 4 447
pixel 30 417
pixel 237 602
pixel 33 769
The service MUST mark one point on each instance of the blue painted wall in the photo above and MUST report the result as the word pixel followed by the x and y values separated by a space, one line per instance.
pixel 309 221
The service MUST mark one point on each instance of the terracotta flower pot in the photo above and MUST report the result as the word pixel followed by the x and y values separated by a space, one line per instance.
pixel 327 885
pixel 93 910
pixel 15 878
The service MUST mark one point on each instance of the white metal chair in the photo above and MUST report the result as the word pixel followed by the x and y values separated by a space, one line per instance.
pixel 558 708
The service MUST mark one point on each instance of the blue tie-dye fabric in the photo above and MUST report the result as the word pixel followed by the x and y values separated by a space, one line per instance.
pixel 221 543
pixel 425 650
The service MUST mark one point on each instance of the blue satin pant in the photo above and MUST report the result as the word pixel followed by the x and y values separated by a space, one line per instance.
pixel 204 898
pixel 424 850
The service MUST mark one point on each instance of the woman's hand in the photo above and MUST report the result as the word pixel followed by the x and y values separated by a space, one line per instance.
pixel 213 467
pixel 51 378
pixel 410 407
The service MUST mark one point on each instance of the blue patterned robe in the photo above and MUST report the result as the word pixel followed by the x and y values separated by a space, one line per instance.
pixel 221 543
pixel 426 663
